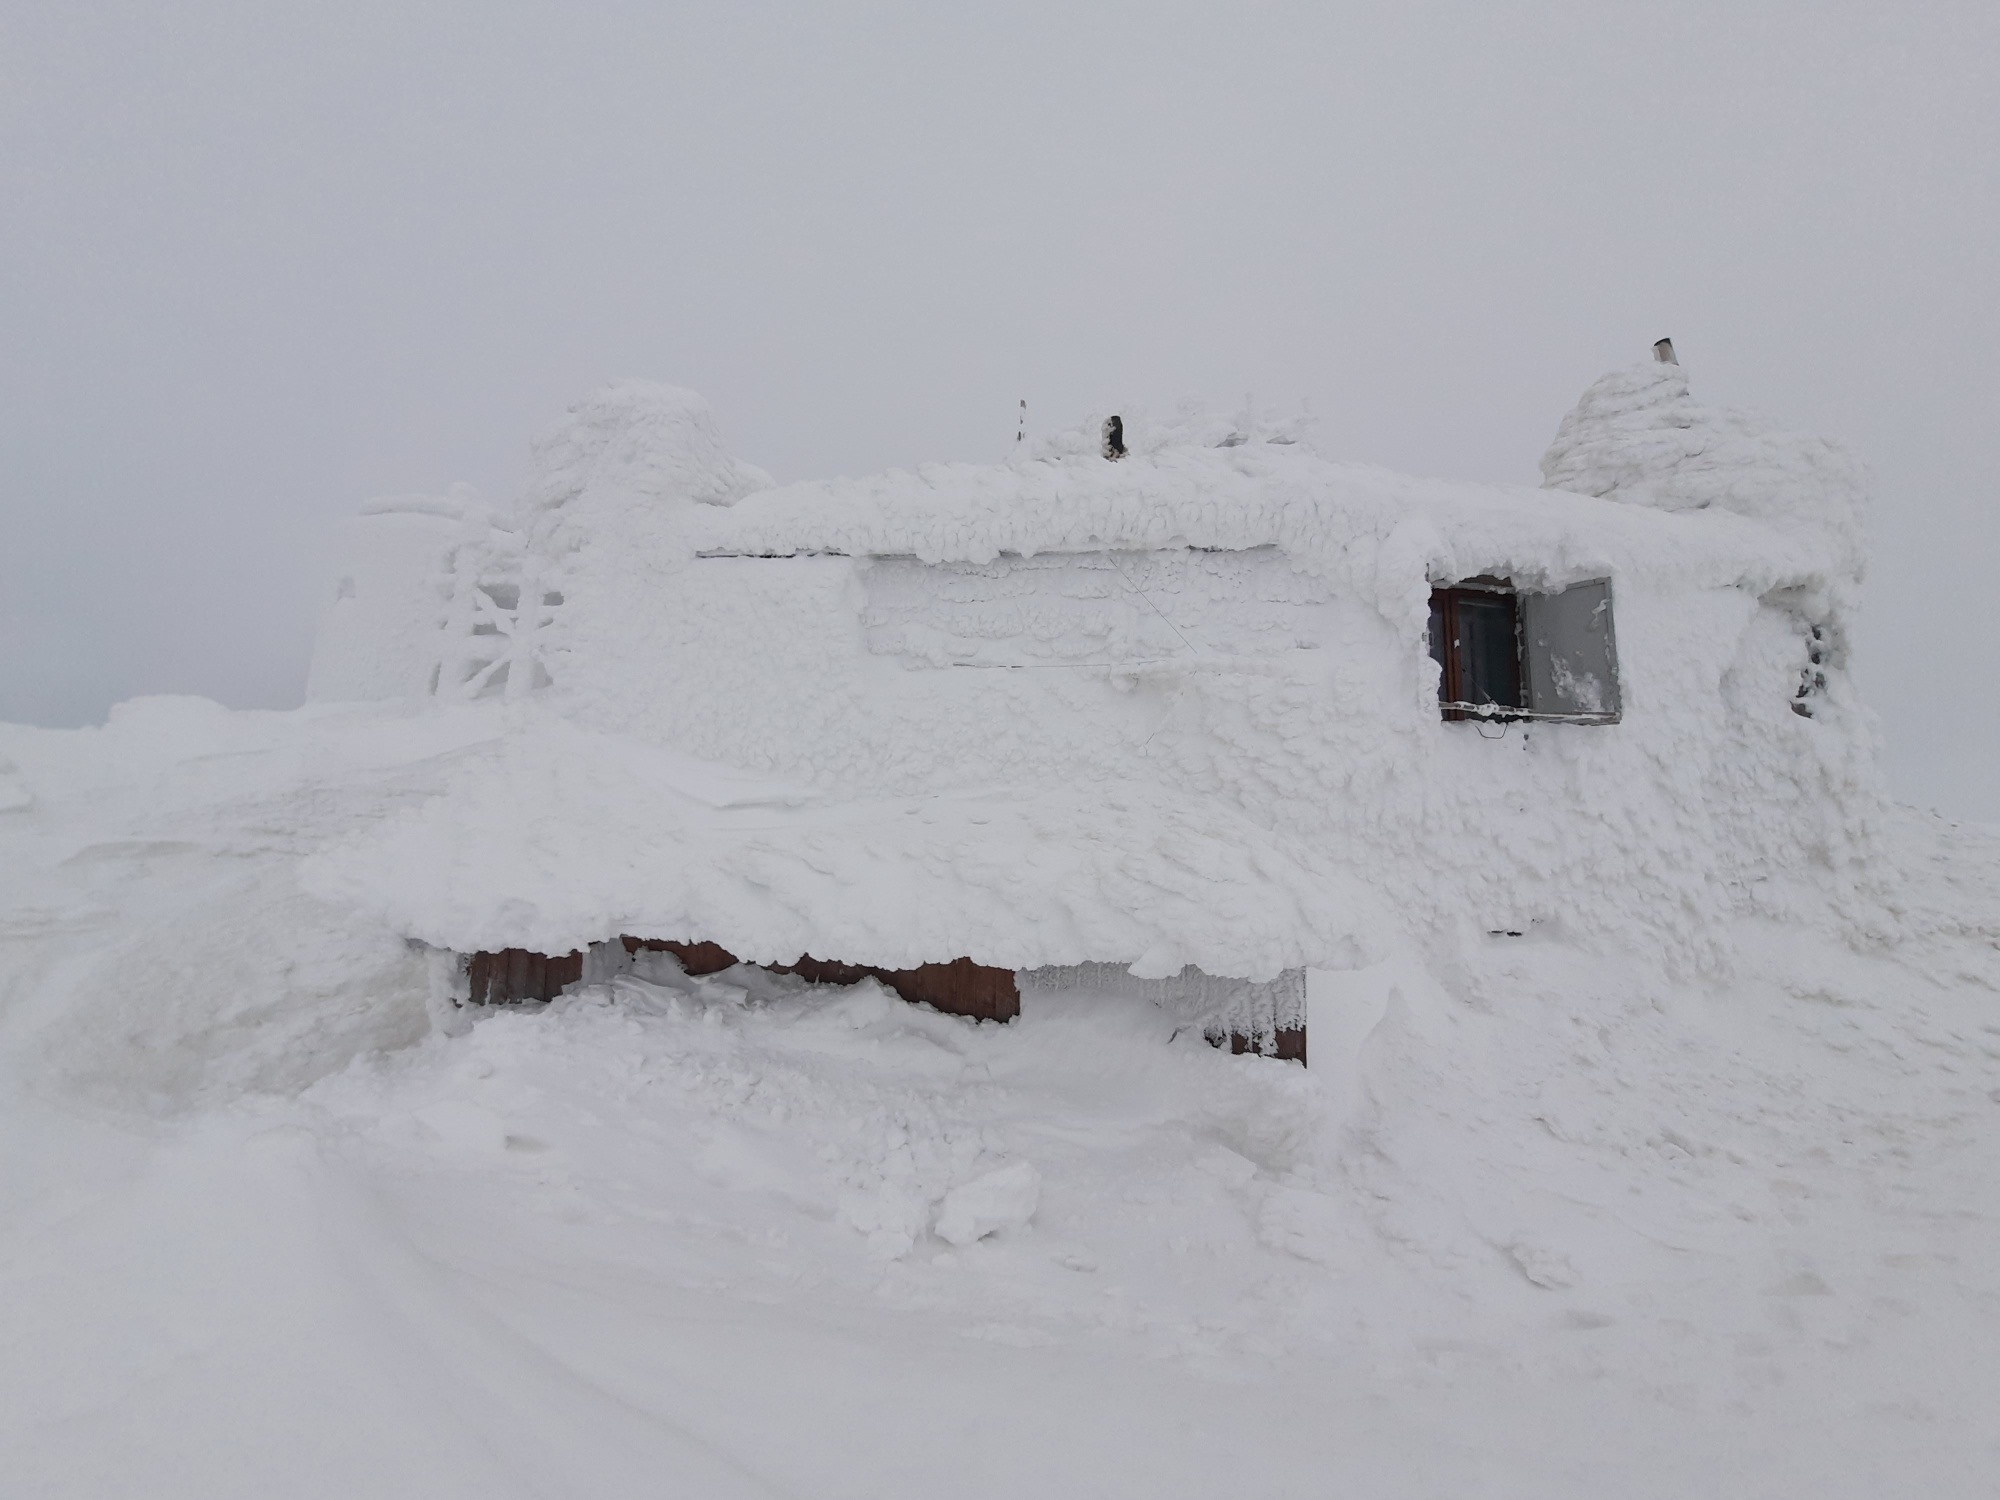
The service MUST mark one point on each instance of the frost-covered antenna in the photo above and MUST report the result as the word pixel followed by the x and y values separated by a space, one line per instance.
pixel 1021 432
pixel 1114 438
pixel 1663 351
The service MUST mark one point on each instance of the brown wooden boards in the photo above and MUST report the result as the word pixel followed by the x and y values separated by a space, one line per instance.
pixel 957 988
pixel 696 958
pixel 515 974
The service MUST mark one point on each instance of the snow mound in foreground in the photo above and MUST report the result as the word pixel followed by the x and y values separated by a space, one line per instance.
pixel 1547 1214
pixel 1004 1198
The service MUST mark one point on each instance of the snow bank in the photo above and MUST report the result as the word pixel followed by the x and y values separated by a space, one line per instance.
pixel 157 952
pixel 1572 1224
pixel 1004 1198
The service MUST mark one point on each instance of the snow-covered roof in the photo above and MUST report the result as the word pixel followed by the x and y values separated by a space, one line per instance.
pixel 551 837
pixel 1631 464
pixel 1238 498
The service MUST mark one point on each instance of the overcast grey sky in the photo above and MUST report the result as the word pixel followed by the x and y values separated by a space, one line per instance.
pixel 259 262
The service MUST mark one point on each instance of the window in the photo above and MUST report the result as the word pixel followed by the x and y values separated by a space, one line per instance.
pixel 1504 654
pixel 1476 639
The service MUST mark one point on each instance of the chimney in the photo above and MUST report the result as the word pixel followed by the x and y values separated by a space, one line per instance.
pixel 1663 351
pixel 1114 438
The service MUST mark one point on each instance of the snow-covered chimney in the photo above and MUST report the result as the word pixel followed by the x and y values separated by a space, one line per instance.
pixel 1638 436
pixel 1114 438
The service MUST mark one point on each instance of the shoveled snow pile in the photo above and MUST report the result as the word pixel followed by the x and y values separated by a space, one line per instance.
pixel 1547 1222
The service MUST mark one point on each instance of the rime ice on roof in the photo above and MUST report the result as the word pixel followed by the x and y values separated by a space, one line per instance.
pixel 640 439
pixel 1638 436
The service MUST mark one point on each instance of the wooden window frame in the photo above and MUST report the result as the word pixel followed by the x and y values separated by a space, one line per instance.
pixel 1452 703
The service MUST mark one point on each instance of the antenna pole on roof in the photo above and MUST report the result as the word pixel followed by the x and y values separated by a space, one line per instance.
pixel 1663 351
pixel 1021 432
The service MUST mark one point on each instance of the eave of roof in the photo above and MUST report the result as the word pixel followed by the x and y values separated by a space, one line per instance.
pixel 1335 517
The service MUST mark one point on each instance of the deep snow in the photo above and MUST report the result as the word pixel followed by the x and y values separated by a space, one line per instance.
pixel 1650 1147
pixel 1550 1223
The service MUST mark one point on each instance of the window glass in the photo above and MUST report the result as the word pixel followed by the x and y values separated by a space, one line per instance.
pixel 1572 658
pixel 1488 648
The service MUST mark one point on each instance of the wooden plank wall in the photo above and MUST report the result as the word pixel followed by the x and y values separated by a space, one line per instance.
pixel 515 974
pixel 696 958
pixel 1287 1043
pixel 958 988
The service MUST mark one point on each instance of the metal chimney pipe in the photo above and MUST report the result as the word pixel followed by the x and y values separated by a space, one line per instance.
pixel 1663 351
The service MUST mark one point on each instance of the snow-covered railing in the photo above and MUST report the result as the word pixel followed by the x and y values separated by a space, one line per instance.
pixel 496 636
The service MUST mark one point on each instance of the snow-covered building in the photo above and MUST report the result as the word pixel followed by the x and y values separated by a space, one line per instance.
pixel 1208 716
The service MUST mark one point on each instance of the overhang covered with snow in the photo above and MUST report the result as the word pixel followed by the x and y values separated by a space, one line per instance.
pixel 551 838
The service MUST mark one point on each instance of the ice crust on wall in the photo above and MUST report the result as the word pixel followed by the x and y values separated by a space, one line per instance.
pixel 1105 607
pixel 1638 437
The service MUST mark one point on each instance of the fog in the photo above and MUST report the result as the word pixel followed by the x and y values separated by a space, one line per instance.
pixel 260 263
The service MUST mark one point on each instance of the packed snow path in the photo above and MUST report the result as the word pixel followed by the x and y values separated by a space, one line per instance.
pixel 1557 1227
